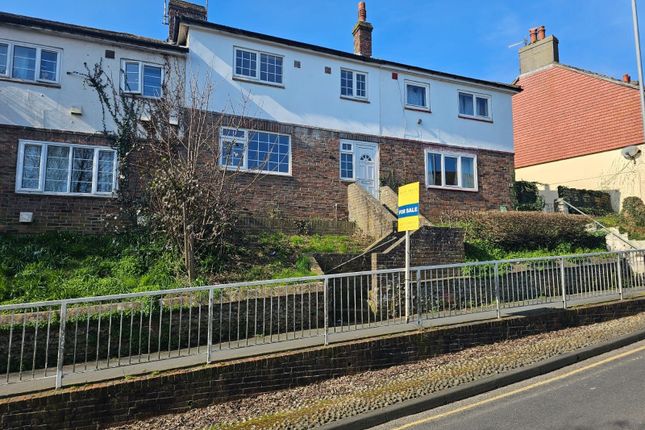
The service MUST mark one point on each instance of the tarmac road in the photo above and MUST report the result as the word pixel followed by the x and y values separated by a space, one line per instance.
pixel 603 393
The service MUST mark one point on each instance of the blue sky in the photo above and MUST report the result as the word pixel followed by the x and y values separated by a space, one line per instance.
pixel 467 37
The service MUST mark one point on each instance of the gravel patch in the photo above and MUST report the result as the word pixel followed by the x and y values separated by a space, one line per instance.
pixel 314 405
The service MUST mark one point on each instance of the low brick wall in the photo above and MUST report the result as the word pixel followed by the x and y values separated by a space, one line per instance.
pixel 124 400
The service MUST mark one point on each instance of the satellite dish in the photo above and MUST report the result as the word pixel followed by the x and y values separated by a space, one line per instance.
pixel 631 153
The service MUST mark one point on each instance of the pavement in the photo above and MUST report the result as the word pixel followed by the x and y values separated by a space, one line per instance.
pixel 602 393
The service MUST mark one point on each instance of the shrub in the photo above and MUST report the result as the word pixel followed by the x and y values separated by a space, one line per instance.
pixel 526 197
pixel 633 212
pixel 591 202
pixel 525 230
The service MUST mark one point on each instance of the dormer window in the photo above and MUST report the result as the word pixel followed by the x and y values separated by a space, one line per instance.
pixel 475 106
pixel 31 63
pixel 258 66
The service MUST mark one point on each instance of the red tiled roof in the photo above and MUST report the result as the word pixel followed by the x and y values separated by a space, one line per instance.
pixel 564 112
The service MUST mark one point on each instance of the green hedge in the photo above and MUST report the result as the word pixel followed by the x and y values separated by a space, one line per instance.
pixel 526 230
pixel 526 197
pixel 591 202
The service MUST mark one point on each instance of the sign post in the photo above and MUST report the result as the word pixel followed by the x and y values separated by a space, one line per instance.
pixel 408 221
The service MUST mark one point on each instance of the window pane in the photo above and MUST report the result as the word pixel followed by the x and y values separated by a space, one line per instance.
pixel 467 172
pixel 31 167
pixel 232 132
pixel 482 107
pixel 346 166
pixel 434 169
pixel 48 65
pixel 232 153
pixel 132 77
pixel 450 164
pixel 361 85
pixel 57 169
pixel 246 63
pixel 82 163
pixel 346 83
pixel 271 68
pixel 4 53
pixel 466 104
pixel 416 95
pixel 152 81
pixel 105 175
pixel 268 152
pixel 24 63
pixel 346 147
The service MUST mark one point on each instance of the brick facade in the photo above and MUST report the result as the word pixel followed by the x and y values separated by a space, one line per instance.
pixel 313 191
pixel 101 405
pixel 50 213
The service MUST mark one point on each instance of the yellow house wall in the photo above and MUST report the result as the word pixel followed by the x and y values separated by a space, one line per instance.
pixel 606 171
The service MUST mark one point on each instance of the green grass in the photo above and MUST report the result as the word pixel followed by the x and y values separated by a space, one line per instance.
pixel 59 266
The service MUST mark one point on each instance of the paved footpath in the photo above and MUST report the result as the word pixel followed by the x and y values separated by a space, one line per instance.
pixel 603 393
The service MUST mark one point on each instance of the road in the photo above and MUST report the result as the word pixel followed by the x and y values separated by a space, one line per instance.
pixel 603 393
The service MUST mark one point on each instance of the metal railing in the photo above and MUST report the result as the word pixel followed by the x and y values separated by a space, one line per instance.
pixel 66 337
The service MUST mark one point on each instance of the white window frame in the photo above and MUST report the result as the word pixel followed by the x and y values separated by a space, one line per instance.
pixel 424 85
pixel 245 141
pixel 475 96
pixel 340 164
pixel 354 84
pixel 43 166
pixel 457 155
pixel 39 48
pixel 257 78
pixel 141 64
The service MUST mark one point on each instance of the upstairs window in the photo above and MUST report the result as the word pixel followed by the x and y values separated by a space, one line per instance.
pixel 259 66
pixel 455 171
pixel 257 151
pixel 142 78
pixel 61 168
pixel 30 63
pixel 417 95
pixel 353 84
pixel 473 105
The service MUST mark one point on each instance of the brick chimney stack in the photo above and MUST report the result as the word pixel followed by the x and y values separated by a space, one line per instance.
pixel 627 79
pixel 362 33
pixel 182 9
pixel 540 52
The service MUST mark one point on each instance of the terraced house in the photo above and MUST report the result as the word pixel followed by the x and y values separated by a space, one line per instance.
pixel 315 120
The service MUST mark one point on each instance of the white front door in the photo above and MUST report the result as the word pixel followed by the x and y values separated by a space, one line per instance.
pixel 366 157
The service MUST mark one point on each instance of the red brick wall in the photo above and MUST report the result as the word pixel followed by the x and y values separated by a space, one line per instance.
pixel 313 191
pixel 51 213
pixel 563 113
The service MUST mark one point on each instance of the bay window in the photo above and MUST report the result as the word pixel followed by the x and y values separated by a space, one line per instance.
pixel 61 168
pixel 451 170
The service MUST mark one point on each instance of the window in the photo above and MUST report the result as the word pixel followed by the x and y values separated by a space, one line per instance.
pixel 257 151
pixel 60 168
pixel 142 78
pixel 258 66
pixel 29 62
pixel 417 95
pixel 474 105
pixel 346 161
pixel 446 170
pixel 353 84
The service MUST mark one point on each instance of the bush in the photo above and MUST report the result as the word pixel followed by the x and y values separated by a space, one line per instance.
pixel 512 231
pixel 526 197
pixel 591 202
pixel 633 212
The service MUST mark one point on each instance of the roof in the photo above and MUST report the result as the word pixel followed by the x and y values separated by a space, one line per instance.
pixel 26 21
pixel 337 53
pixel 564 112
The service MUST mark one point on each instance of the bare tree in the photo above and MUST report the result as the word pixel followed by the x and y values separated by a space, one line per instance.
pixel 193 183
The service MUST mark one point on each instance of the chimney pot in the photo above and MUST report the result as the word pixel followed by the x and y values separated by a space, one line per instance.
pixel 627 78
pixel 533 34
pixel 362 12
pixel 541 33
pixel 362 33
